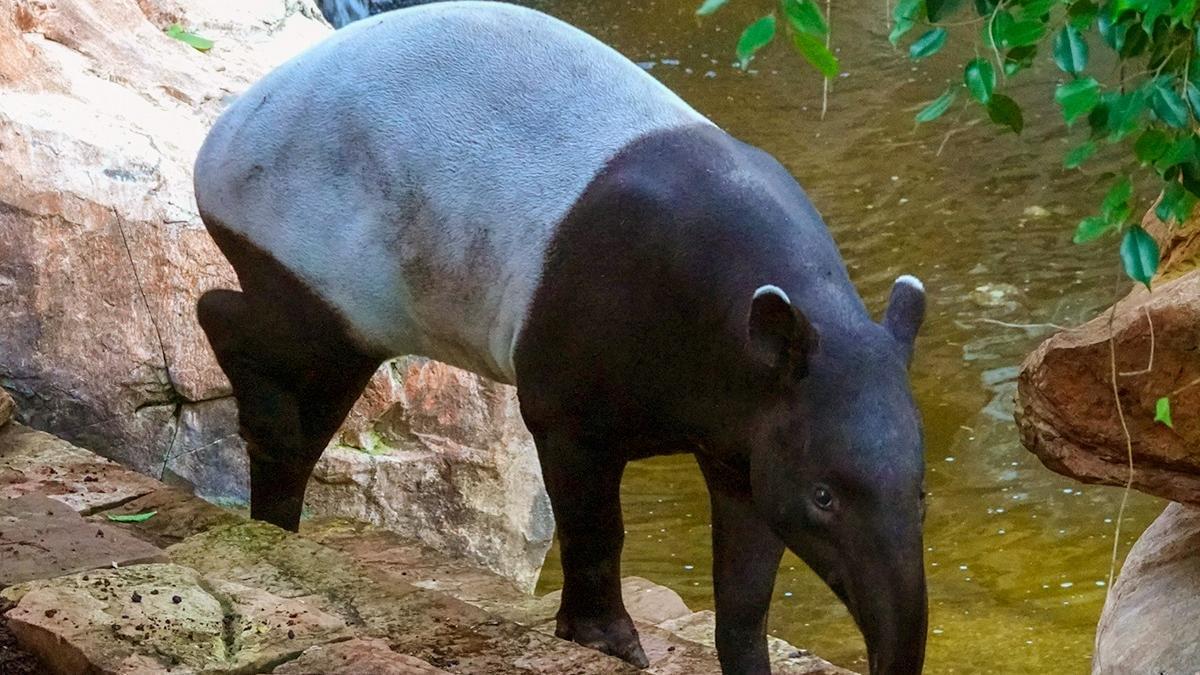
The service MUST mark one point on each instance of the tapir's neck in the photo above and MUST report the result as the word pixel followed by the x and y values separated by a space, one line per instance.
pixel 647 284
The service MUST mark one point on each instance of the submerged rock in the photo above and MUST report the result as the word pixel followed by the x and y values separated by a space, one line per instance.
pixel 1151 617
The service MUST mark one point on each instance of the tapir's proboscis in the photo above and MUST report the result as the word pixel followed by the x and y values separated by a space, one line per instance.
pixel 484 185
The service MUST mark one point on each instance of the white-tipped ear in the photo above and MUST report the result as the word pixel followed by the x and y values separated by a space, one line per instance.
pixel 905 311
pixel 780 336
pixel 773 290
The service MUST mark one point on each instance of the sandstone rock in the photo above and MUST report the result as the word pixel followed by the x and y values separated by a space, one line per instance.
pixel 7 407
pixel 450 463
pixel 41 537
pixel 99 237
pixel 700 627
pixel 1151 616
pixel 1065 408
pixel 178 516
pixel 161 618
pixel 355 657
pixel 645 601
pixel 432 626
pixel 33 462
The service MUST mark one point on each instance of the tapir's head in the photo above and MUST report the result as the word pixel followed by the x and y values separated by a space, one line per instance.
pixel 837 464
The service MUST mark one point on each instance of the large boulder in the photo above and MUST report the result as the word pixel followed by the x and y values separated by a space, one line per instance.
pixel 447 462
pixel 1065 408
pixel 1150 620
pixel 103 256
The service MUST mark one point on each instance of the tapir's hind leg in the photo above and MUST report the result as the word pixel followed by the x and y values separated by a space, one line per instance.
pixel 294 370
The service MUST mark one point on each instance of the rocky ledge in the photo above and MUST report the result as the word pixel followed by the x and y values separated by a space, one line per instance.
pixel 106 570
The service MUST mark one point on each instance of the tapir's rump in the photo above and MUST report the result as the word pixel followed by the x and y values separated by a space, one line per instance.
pixel 412 168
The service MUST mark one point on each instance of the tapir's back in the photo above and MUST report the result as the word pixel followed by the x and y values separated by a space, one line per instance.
pixel 411 168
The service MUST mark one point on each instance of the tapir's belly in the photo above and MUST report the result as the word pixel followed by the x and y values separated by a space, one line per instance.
pixel 412 168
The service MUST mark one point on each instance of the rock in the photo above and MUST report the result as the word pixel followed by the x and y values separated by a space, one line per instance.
pixel 441 630
pixel 178 516
pixel 700 627
pixel 103 256
pixel 7 407
pixel 99 236
pixel 448 462
pixel 645 601
pixel 354 657
pixel 128 620
pixel 41 537
pixel 1150 618
pixel 33 462
pixel 1065 409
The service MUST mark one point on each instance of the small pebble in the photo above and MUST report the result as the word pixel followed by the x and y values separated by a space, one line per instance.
pixel 176 599
pixel 136 597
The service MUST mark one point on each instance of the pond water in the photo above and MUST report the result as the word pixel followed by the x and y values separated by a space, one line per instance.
pixel 1017 555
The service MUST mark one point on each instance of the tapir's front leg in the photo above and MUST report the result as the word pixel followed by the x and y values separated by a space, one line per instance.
pixel 584 487
pixel 746 555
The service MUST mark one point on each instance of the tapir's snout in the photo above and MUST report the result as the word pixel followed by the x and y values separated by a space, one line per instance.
pixel 884 590
pixel 881 580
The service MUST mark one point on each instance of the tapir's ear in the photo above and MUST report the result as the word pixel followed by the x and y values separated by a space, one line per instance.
pixel 781 337
pixel 905 311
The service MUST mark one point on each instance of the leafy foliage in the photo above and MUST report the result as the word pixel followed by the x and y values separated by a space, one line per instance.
pixel 1148 106
pixel 803 20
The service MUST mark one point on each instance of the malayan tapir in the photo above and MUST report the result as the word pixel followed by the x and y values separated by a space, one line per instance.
pixel 490 187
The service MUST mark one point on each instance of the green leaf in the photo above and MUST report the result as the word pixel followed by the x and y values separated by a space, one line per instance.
pixel 1139 255
pixel 1182 151
pixel 132 517
pixel 1079 155
pixel 1005 112
pixel 1162 412
pixel 1193 96
pixel 938 10
pixel 1124 112
pixel 195 41
pixel 1115 208
pixel 756 36
pixel 1037 9
pixel 1168 105
pixel 1152 144
pixel 1077 98
pixel 1082 13
pixel 1176 203
pixel 1022 33
pixel 710 6
pixel 928 44
pixel 995 27
pixel 813 49
pixel 939 106
pixel 980 78
pixel 1018 59
pixel 1090 229
pixel 904 17
pixel 1183 10
pixel 1070 50
pixel 805 17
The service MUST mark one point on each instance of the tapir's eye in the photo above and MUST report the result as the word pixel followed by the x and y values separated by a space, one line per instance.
pixel 823 498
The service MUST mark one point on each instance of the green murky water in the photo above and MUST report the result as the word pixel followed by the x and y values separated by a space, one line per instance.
pixel 1017 556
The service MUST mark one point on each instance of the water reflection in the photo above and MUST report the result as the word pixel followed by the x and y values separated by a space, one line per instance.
pixel 1017 556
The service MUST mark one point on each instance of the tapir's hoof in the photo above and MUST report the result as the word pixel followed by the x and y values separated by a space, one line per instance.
pixel 615 637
